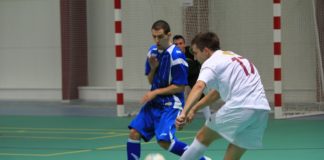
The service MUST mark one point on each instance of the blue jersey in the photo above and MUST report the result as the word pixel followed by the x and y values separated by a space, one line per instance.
pixel 156 118
pixel 172 69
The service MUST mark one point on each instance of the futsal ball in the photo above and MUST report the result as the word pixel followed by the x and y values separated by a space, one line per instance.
pixel 154 156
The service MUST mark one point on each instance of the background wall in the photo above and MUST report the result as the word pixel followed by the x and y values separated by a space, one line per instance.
pixel 30 49
pixel 30 66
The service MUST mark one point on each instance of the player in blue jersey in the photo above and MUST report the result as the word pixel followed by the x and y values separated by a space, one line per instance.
pixel 167 71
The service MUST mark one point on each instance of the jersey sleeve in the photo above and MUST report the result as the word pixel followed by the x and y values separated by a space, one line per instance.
pixel 206 75
pixel 179 69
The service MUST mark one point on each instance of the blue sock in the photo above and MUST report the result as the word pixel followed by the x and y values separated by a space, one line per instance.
pixel 178 147
pixel 133 149
pixel 202 158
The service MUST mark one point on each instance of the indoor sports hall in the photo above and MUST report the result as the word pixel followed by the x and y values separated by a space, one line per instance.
pixel 72 73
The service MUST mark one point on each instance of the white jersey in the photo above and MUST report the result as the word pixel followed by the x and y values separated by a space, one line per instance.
pixel 236 79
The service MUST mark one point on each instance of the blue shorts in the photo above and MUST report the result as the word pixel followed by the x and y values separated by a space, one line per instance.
pixel 156 120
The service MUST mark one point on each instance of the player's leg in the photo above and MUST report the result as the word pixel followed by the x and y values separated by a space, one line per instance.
pixel 250 133
pixel 133 145
pixel 138 129
pixel 177 147
pixel 234 152
pixel 204 138
pixel 165 133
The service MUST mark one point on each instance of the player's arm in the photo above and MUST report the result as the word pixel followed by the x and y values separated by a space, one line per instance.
pixel 171 89
pixel 153 63
pixel 205 76
pixel 207 100
pixel 211 97
pixel 193 97
pixel 151 75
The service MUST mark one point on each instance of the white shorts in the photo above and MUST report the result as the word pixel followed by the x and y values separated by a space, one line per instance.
pixel 242 127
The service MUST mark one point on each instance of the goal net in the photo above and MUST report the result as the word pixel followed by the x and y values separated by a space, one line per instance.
pixel 246 27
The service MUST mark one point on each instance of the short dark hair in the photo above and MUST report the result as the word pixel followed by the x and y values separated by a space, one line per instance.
pixel 178 36
pixel 206 39
pixel 161 24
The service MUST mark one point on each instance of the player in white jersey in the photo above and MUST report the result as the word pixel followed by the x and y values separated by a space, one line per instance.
pixel 243 118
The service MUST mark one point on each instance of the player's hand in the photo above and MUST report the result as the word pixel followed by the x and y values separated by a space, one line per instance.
pixel 153 61
pixel 190 116
pixel 147 97
pixel 180 121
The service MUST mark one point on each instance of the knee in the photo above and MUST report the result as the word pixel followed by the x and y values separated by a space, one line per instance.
pixel 164 145
pixel 205 139
pixel 133 134
pixel 202 139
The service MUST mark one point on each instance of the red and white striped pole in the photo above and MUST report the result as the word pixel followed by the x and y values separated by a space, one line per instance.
pixel 277 58
pixel 119 60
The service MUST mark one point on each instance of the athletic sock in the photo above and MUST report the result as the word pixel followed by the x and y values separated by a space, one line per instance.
pixel 178 147
pixel 133 149
pixel 195 151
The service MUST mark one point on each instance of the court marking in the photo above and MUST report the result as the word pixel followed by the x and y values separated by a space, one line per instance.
pixel 87 131
pixel 146 143
pixel 44 155
pixel 65 138
pixel 56 129
pixel 80 129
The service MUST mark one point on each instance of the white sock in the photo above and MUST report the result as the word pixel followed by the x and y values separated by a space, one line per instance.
pixel 194 152
pixel 206 112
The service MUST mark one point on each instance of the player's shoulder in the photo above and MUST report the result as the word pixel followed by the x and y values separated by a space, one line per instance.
pixel 222 57
pixel 152 50
pixel 215 58
pixel 227 54
pixel 175 52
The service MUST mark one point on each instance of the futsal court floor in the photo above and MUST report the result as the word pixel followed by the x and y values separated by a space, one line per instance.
pixel 82 131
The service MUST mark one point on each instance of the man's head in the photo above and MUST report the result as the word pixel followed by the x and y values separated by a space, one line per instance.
pixel 161 34
pixel 179 41
pixel 204 44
